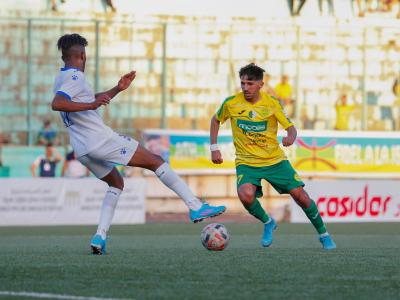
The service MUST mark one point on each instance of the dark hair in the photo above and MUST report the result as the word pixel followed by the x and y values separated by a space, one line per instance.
pixel 68 40
pixel 252 71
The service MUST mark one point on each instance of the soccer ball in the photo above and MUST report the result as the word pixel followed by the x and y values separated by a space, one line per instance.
pixel 215 237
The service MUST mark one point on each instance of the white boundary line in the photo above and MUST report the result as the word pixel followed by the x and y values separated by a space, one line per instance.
pixel 51 296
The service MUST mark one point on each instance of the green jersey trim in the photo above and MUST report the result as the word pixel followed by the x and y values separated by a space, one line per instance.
pixel 222 105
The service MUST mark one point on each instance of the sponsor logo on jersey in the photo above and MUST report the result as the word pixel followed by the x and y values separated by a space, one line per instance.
pixel 252 114
pixel 123 151
pixel 74 77
pixel 252 126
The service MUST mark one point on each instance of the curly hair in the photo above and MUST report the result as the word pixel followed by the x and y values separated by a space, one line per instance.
pixel 65 42
pixel 252 71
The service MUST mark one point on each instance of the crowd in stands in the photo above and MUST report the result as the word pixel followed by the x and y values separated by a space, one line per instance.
pixel 359 7
pixel 326 7
pixel 108 5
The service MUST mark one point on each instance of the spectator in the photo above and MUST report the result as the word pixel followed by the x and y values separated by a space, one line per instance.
pixel 267 85
pixel 321 7
pixel 109 3
pixel 73 168
pixel 343 113
pixel 47 135
pixel 47 164
pixel 283 91
pixel 364 6
pixel 396 92
pixel 295 6
pixel 54 6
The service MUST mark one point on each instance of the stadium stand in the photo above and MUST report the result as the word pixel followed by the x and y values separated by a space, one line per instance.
pixel 187 65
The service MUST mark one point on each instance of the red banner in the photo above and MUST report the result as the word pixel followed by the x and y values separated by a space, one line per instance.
pixel 353 200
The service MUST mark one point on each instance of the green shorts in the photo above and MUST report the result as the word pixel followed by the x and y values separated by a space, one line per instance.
pixel 281 176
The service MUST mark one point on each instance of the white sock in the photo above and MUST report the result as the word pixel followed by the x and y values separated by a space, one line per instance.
pixel 175 183
pixel 107 210
pixel 324 234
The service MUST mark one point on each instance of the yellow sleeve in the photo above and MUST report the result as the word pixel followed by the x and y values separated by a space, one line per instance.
pixel 223 112
pixel 281 115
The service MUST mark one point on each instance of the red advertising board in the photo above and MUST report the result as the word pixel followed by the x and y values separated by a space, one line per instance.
pixel 353 200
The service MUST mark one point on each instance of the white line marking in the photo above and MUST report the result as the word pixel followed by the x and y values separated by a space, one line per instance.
pixel 52 296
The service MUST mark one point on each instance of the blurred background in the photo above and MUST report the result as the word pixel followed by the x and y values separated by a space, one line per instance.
pixel 334 64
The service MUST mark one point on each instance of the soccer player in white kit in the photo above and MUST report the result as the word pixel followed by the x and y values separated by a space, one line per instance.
pixel 99 148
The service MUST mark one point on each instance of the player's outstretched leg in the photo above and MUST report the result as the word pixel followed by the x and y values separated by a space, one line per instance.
pixel 256 210
pixel 246 193
pixel 198 210
pixel 116 185
pixel 314 216
pixel 311 210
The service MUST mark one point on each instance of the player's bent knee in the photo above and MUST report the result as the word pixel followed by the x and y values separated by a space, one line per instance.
pixel 246 196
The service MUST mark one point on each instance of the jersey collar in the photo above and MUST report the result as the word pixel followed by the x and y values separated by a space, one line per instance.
pixel 68 68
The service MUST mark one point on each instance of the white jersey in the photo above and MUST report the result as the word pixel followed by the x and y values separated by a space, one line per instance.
pixel 87 130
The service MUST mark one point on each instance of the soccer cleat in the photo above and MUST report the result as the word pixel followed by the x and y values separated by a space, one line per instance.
pixel 266 240
pixel 327 242
pixel 98 245
pixel 205 211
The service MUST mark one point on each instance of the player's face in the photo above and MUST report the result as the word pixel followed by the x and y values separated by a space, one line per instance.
pixel 250 88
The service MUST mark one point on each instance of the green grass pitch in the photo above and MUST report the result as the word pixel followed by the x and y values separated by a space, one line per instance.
pixel 167 261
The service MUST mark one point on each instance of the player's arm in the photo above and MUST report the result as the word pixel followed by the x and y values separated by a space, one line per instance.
pixel 280 115
pixel 291 136
pixel 216 155
pixel 122 85
pixel 62 103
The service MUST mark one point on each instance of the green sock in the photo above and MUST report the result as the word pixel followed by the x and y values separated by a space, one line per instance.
pixel 256 210
pixel 313 215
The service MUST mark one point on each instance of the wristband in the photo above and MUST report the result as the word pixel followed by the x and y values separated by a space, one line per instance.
pixel 214 147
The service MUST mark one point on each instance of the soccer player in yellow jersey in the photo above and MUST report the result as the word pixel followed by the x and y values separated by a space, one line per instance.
pixel 254 119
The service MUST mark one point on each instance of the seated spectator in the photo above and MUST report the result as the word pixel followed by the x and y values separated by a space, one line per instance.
pixel 343 113
pixel 47 135
pixel 73 168
pixel 47 163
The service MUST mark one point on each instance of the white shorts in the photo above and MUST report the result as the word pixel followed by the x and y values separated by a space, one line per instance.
pixel 119 150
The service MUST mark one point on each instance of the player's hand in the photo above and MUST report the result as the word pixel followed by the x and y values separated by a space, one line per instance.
pixel 216 157
pixel 126 80
pixel 288 141
pixel 101 99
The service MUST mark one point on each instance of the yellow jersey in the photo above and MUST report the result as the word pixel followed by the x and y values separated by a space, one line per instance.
pixel 343 113
pixel 255 128
pixel 283 90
